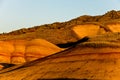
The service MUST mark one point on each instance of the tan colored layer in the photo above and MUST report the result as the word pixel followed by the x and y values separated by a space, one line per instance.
pixel 86 30
pixel 75 63
pixel 4 59
pixel 20 51
pixel 114 27
pixel 38 48
pixel 18 60
pixel 6 47
pixel 41 42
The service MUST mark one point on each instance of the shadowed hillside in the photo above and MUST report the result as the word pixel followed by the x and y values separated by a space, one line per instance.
pixel 61 32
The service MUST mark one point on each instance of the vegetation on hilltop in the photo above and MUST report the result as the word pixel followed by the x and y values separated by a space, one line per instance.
pixel 100 19
pixel 101 41
pixel 59 33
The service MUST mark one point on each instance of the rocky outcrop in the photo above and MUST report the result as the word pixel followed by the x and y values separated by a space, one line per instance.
pixel 21 51
pixel 88 30
pixel 91 29
pixel 94 59
pixel 114 27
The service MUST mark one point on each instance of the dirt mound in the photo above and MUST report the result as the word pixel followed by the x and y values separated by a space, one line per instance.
pixel 39 48
pixel 21 51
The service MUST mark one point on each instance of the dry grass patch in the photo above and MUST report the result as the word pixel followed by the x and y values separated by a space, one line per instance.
pixel 107 40
pixel 101 44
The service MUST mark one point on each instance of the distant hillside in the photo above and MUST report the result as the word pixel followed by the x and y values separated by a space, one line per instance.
pixel 60 33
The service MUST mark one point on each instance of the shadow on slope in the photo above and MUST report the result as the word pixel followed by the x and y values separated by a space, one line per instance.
pixel 73 63
pixel 70 45
pixel 73 43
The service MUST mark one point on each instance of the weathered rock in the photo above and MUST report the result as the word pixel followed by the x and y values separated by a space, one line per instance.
pixel 38 48
pixel 88 30
pixel 114 27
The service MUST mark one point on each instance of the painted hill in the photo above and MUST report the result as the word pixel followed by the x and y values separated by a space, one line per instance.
pixel 21 51
pixel 96 59
pixel 62 32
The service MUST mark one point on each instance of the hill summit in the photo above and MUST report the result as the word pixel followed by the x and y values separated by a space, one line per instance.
pixel 62 32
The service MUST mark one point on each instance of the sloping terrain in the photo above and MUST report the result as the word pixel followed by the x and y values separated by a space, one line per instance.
pixel 21 51
pixel 61 32
pixel 114 27
pixel 95 59
pixel 88 30
pixel 95 56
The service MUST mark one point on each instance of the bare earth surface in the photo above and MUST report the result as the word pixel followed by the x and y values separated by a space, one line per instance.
pixel 95 57
pixel 21 51
pixel 73 63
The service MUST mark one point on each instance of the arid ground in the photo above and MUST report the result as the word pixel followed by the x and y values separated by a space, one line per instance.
pixel 84 48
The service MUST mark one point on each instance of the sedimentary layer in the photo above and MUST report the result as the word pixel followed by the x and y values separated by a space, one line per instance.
pixel 21 51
